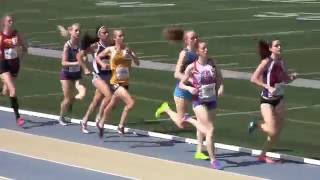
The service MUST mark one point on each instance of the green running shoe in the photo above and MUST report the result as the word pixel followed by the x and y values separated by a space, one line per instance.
pixel 201 156
pixel 164 106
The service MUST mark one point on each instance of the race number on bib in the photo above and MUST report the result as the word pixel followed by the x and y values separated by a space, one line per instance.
pixel 10 53
pixel 74 68
pixel 279 89
pixel 207 92
pixel 122 73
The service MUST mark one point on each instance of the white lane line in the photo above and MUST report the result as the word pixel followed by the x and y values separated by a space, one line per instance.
pixel 39 70
pixel 255 112
pixel 40 95
pixel 255 7
pixel 237 36
pixel 308 74
pixel 153 56
pixel 300 82
pixel 242 68
pixel 165 25
pixel 228 64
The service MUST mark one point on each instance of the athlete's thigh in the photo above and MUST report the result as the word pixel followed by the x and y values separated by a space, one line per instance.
pixel 181 106
pixel 268 114
pixel 68 87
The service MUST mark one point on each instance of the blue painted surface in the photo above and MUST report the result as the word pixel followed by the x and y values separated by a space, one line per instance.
pixel 237 162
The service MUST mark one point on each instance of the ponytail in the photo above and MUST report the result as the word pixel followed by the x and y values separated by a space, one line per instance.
pixel 87 40
pixel 263 49
pixel 65 32
pixel 175 34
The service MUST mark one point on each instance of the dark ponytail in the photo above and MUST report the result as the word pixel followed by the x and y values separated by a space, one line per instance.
pixel 174 34
pixel 87 40
pixel 263 49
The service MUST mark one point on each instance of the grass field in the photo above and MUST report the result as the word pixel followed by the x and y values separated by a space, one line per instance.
pixel 231 27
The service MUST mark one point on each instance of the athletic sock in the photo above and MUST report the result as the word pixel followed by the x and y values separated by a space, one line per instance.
pixel 15 106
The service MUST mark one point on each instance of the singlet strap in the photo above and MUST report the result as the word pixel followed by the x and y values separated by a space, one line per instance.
pixel 69 43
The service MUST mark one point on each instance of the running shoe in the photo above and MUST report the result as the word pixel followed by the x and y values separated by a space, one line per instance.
pixel 20 121
pixel 265 159
pixel 216 165
pixel 62 121
pixel 84 128
pixel 252 126
pixel 121 130
pixel 163 107
pixel 201 156
pixel 101 130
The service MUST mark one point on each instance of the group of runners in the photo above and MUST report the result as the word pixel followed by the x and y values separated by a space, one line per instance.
pixel 199 81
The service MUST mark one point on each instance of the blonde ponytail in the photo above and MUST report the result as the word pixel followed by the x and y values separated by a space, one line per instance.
pixel 63 31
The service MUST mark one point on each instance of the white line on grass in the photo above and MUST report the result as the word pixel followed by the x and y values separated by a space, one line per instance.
pixel 159 60
pixel 287 51
pixel 153 56
pixel 300 82
pixel 308 74
pixel 255 112
pixel 26 11
pixel 161 12
pixel 236 36
pixel 40 95
pixel 165 25
pixel 140 13
pixel 242 68
pixel 303 122
pixel 255 7
pixel 39 70
pixel 49 44
pixel 228 64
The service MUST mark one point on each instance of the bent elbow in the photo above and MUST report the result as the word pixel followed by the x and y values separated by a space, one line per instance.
pixel 253 79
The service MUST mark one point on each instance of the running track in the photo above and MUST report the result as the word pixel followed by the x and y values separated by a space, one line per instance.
pixel 45 150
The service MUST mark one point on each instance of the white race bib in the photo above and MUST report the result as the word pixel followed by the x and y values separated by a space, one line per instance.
pixel 74 68
pixel 207 92
pixel 122 73
pixel 279 89
pixel 10 53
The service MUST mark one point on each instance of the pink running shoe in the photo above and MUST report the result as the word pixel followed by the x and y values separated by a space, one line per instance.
pixel 216 165
pixel 265 159
pixel 20 121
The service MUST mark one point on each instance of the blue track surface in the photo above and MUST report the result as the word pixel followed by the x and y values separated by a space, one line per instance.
pixel 241 163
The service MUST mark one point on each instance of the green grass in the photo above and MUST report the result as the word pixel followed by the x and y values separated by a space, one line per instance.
pixel 209 18
pixel 40 76
pixel 232 37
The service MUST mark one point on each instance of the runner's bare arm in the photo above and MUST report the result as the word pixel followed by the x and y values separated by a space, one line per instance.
pixel 185 80
pixel 220 85
pixel 177 73
pixel 256 77
pixel 23 43
pixel 80 56
pixel 106 51
pixel 135 58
